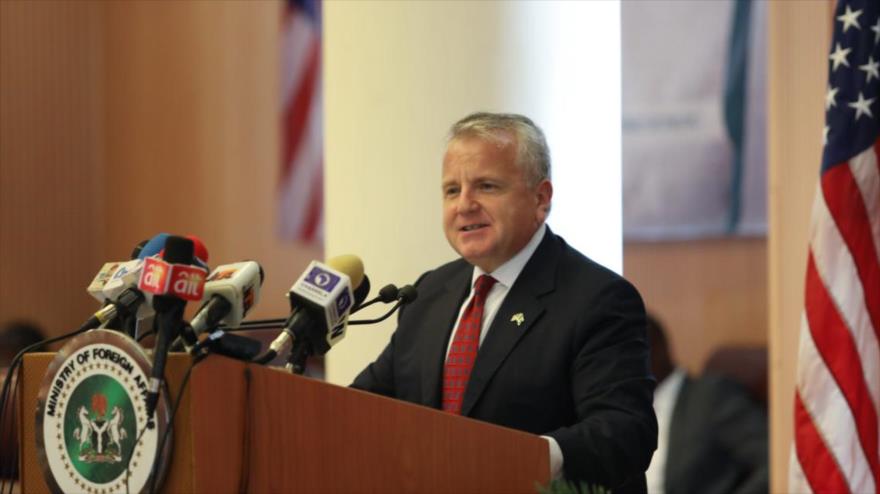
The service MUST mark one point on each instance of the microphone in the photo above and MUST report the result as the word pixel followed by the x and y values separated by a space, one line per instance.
pixel 121 291
pixel 317 340
pixel 172 281
pixel 230 293
pixel 115 287
pixel 319 300
pixel 138 248
pixel 361 292
pixel 200 252
pixel 154 246
pixel 387 293
pixel 405 295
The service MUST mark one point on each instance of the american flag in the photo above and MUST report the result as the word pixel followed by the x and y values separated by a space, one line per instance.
pixel 301 188
pixel 837 401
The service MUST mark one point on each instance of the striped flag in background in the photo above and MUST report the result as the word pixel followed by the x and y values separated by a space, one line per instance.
pixel 837 401
pixel 300 195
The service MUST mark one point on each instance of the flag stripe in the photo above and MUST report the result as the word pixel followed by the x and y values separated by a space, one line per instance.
pixel 830 416
pixel 844 201
pixel 313 214
pixel 836 267
pixel 812 451
pixel 299 108
pixel 300 184
pixel 836 346
pixel 798 482
pixel 297 39
pixel 865 169
pixel 298 188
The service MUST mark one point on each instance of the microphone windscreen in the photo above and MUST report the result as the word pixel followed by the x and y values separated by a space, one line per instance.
pixel 361 292
pixel 388 293
pixel 407 294
pixel 153 246
pixel 136 253
pixel 178 250
pixel 351 265
pixel 199 249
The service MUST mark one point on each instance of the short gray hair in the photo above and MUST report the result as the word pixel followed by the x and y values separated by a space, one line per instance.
pixel 532 153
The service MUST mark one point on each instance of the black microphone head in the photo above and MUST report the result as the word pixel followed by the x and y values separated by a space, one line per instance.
pixel 388 293
pixel 178 250
pixel 361 292
pixel 407 294
pixel 136 253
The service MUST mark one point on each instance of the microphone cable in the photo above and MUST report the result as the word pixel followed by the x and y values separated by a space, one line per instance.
pixel 404 295
pixel 160 445
pixel 388 293
pixel 255 324
pixel 378 319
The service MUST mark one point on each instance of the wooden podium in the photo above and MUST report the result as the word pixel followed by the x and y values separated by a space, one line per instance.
pixel 248 428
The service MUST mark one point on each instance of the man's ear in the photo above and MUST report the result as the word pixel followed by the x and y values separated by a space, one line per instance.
pixel 544 194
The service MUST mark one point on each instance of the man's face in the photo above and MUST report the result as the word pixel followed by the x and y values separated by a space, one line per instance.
pixel 489 211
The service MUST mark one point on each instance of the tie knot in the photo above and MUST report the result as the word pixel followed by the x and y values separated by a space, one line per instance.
pixel 482 286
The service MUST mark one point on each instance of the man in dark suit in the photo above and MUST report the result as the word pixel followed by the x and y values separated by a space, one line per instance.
pixel 713 436
pixel 547 341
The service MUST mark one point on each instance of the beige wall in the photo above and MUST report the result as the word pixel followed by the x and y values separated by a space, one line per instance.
pixel 123 119
pixel 707 293
pixel 51 159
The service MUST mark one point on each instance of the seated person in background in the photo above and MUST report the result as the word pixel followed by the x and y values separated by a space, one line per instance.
pixel 712 435
pixel 14 336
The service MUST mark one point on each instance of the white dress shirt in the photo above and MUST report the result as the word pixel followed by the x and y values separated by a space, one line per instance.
pixel 665 397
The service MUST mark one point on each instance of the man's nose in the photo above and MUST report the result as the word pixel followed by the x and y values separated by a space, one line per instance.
pixel 466 202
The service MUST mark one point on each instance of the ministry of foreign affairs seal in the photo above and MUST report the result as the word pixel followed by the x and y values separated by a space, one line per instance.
pixel 90 411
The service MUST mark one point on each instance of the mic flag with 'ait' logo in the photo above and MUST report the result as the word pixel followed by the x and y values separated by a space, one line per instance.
pixel 300 193
pixel 837 401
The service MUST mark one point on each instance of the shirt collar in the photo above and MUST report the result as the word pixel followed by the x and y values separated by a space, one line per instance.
pixel 507 273
pixel 670 385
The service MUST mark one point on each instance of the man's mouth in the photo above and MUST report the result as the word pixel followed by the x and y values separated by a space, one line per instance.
pixel 470 228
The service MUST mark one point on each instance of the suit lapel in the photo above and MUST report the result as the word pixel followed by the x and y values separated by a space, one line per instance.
pixel 518 313
pixel 440 318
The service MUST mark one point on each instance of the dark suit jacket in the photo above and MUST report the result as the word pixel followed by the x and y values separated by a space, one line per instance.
pixel 717 440
pixel 575 370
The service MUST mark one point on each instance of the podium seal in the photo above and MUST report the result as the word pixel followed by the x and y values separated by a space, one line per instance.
pixel 90 412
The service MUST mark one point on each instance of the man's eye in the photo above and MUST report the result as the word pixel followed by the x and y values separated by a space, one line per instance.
pixel 488 186
pixel 450 191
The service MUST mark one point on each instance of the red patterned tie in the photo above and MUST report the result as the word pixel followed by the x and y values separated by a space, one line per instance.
pixel 465 344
